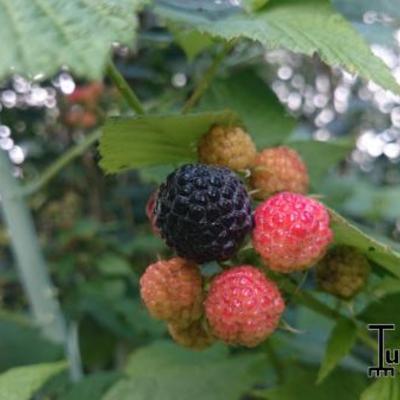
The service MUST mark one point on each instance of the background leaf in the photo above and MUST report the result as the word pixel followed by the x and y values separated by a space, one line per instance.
pixel 307 27
pixel 21 344
pixel 41 36
pixel 339 344
pixel 300 385
pixel 349 234
pixel 92 387
pixel 22 382
pixel 261 112
pixel 253 5
pixel 320 157
pixel 164 371
pixel 192 42
pixel 382 389
pixel 141 141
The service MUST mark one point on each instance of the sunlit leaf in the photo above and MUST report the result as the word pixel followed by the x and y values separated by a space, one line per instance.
pixel 306 27
pixel 156 139
pixel 22 382
pixel 164 371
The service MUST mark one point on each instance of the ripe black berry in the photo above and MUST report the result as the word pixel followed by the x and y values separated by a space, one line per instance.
pixel 203 212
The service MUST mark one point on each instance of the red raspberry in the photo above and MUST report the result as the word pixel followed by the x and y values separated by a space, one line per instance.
pixel 172 291
pixel 291 231
pixel 195 336
pixel 150 206
pixel 243 306
pixel 278 169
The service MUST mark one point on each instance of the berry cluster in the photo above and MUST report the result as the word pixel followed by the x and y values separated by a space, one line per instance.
pixel 203 212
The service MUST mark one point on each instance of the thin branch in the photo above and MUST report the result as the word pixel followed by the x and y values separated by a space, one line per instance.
pixel 32 268
pixel 123 86
pixel 314 304
pixel 59 164
pixel 30 261
pixel 208 76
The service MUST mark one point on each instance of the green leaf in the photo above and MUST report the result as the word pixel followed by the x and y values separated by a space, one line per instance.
pixel 192 42
pixel 307 27
pixel 383 254
pixel 253 5
pixel 258 107
pixel 21 343
pixel 320 157
pixel 383 389
pixel 385 286
pixel 22 382
pixel 339 344
pixel 164 371
pixel 114 265
pixel 384 310
pixel 300 385
pixel 92 387
pixel 156 139
pixel 38 37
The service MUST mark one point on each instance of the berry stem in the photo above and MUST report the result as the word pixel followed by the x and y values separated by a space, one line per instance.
pixel 123 86
pixel 49 173
pixel 314 304
pixel 208 76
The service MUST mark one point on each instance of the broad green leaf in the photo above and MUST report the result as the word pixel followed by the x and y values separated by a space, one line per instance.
pixel 38 37
pixel 164 371
pixel 307 27
pixel 320 157
pixel 300 385
pixel 192 42
pixel 385 286
pixel 339 345
pixel 382 389
pixel 253 5
pixel 92 387
pixel 381 253
pixel 22 382
pixel 383 311
pixel 258 107
pixel 156 139
pixel 21 343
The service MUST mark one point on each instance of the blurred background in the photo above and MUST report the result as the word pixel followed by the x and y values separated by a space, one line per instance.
pixel 93 228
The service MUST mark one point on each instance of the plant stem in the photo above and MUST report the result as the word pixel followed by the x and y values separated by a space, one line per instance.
pixel 314 304
pixel 123 86
pixel 208 76
pixel 59 164
pixel 31 265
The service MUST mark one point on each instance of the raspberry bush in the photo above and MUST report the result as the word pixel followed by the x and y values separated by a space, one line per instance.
pixel 178 181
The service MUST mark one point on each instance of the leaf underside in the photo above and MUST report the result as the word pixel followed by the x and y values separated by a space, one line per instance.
pixel 39 37
pixel 306 27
